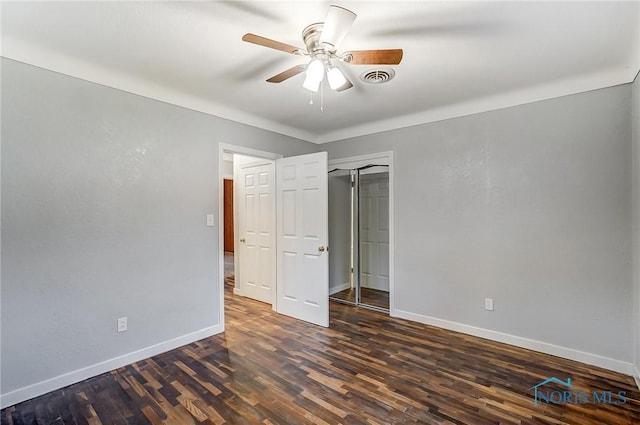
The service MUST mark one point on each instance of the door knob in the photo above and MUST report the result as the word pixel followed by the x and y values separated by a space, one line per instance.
pixel 322 248
pixel 243 240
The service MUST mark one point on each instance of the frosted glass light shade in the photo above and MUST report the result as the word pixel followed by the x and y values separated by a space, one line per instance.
pixel 311 84
pixel 315 70
pixel 336 78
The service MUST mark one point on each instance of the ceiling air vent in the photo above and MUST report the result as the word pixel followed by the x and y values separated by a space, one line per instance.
pixel 377 76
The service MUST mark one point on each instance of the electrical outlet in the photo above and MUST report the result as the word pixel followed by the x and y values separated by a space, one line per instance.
pixel 488 304
pixel 122 324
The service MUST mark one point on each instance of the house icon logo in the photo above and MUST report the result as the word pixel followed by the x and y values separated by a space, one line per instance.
pixel 556 391
pixel 535 388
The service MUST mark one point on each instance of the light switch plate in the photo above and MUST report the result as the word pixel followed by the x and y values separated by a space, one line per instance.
pixel 209 220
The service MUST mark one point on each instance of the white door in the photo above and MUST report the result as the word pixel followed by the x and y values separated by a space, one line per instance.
pixel 256 230
pixel 374 231
pixel 302 229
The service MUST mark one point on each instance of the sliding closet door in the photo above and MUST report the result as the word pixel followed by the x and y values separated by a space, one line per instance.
pixel 374 239
pixel 370 222
pixel 340 278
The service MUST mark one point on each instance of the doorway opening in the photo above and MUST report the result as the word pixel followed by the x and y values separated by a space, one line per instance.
pixel 291 239
pixel 360 213
pixel 228 226
pixel 231 264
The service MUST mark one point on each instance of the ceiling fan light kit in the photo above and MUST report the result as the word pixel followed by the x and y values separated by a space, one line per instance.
pixel 315 70
pixel 336 78
pixel 322 41
pixel 311 84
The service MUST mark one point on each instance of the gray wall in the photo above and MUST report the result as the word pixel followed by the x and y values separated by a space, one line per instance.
pixel 530 206
pixel 635 128
pixel 104 197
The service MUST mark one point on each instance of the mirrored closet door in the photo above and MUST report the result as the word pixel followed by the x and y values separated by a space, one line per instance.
pixel 359 236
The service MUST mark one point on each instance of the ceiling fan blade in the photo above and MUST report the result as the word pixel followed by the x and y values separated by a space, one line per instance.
pixel 295 70
pixel 336 25
pixel 373 57
pixel 267 42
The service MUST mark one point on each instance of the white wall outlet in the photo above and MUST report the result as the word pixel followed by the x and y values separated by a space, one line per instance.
pixel 122 324
pixel 209 220
pixel 488 304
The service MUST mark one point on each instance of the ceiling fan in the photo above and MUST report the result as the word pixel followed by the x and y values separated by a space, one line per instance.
pixel 322 40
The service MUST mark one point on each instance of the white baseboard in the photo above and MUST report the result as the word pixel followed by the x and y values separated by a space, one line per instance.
pixel 336 289
pixel 636 375
pixel 531 344
pixel 43 387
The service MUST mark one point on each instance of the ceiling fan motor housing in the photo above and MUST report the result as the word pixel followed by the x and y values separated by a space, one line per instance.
pixel 316 49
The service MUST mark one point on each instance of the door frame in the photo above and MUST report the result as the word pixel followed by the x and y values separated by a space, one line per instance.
pixel 381 158
pixel 240 150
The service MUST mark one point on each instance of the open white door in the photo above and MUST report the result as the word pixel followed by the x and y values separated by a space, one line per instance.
pixel 256 228
pixel 302 235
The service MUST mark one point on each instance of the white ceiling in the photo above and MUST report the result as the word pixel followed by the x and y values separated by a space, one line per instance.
pixel 459 57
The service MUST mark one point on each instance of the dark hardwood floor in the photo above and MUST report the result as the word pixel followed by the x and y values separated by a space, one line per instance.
pixel 367 368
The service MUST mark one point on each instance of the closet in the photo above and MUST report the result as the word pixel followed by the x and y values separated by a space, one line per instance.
pixel 359 236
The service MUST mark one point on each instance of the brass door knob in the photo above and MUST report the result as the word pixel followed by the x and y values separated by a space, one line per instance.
pixel 243 240
pixel 322 248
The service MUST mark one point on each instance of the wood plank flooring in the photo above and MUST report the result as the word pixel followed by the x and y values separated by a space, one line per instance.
pixel 366 368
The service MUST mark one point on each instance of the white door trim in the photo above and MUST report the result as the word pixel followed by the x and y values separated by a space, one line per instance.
pixel 241 150
pixel 380 158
